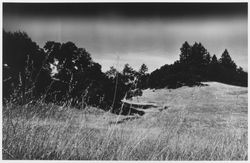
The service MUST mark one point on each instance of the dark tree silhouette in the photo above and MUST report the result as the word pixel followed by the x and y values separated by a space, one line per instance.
pixel 195 65
pixel 213 69
pixel 61 73
pixel 22 63
pixel 227 68
pixel 111 73
pixel 129 75
pixel 76 76
pixel 143 77
pixel 65 74
pixel 185 53
pixel 214 60
pixel 226 61
pixel 143 69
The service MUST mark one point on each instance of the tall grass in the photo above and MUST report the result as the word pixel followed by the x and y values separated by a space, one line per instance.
pixel 49 132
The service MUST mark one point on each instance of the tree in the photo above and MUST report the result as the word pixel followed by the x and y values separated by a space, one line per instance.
pixel 226 61
pixel 227 68
pixel 185 52
pixel 76 73
pixel 142 77
pixel 199 54
pixel 207 59
pixel 79 80
pixel 213 69
pixel 24 59
pixel 214 60
pixel 143 69
pixel 112 72
pixel 196 65
pixel 242 77
pixel 129 74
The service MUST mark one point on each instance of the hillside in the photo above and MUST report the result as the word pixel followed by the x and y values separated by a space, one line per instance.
pixel 191 123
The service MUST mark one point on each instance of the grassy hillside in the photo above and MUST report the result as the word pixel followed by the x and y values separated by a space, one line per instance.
pixel 191 123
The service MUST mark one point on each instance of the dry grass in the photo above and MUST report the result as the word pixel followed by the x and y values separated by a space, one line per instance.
pixel 201 123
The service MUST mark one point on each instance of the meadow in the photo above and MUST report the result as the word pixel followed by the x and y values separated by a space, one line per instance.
pixel 191 123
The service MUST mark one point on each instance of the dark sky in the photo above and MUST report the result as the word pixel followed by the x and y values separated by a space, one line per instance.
pixel 130 10
pixel 150 33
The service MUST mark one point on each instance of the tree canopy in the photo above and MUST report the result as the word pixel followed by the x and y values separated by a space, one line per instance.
pixel 196 65
pixel 63 73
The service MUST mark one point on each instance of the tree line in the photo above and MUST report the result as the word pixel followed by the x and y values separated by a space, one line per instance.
pixel 196 65
pixel 65 74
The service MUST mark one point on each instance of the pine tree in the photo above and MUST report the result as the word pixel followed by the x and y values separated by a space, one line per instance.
pixel 226 61
pixel 143 69
pixel 185 52
pixel 214 60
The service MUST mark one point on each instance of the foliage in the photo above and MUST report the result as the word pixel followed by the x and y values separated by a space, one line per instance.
pixel 143 77
pixel 22 64
pixel 65 74
pixel 60 73
pixel 196 65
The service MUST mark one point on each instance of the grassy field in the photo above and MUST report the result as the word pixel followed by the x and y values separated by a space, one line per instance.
pixel 191 123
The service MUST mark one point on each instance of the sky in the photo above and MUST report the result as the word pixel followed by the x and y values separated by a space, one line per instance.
pixel 135 33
